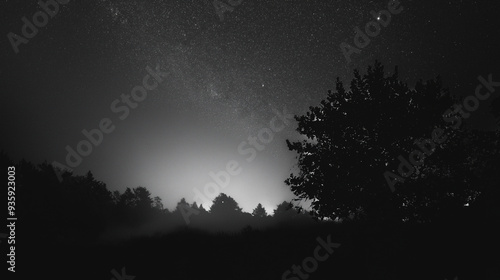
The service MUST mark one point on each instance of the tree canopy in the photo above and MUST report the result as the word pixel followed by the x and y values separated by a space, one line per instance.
pixel 224 204
pixel 259 211
pixel 356 136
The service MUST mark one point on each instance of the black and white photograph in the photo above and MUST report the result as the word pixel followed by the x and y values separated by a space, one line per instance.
pixel 250 139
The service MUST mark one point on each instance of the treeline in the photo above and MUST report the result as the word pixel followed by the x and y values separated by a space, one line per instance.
pixel 72 209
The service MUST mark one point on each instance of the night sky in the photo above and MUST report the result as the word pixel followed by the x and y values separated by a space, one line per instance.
pixel 225 80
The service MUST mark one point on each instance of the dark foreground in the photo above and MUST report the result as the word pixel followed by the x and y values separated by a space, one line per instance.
pixel 466 250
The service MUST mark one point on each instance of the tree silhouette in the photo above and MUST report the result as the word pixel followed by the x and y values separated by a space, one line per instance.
pixel 195 206
pixel 202 209
pixel 354 137
pixel 283 207
pixel 259 211
pixel 142 198
pixel 182 202
pixel 127 199
pixel 224 204
pixel 157 204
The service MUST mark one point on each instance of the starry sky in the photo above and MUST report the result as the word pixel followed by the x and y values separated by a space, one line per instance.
pixel 226 78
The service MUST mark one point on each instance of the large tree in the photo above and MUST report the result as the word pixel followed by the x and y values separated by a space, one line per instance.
pixel 354 139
